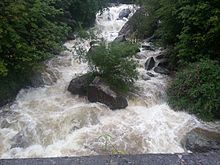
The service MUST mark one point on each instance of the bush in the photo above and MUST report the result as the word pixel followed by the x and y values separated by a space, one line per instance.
pixel 28 34
pixel 196 89
pixel 115 64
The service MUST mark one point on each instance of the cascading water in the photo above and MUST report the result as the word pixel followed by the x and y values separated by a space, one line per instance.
pixel 49 122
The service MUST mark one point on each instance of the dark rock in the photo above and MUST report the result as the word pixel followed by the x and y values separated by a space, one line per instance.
pixel 37 80
pixel 124 13
pixel 201 140
pixel 150 63
pixel 163 55
pixel 98 91
pixel 147 47
pixel 19 140
pixel 79 85
pixel 4 124
pixel 161 70
pixel 164 63
pixel 150 39
pixel 160 56
pixel 94 43
pixel 150 74
pixel 126 30
pixel 92 49
pixel 71 36
pixel 129 28
pixel 120 38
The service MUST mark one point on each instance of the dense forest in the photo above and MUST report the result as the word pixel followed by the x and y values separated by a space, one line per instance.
pixel 190 31
pixel 34 31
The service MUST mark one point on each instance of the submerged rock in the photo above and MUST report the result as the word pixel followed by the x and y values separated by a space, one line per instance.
pixel 98 91
pixel 150 63
pixel 124 13
pixel 4 123
pixel 145 77
pixel 79 85
pixel 201 140
pixel 150 74
pixel 20 141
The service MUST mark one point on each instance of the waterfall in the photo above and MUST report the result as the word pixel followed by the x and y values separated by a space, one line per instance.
pixel 50 122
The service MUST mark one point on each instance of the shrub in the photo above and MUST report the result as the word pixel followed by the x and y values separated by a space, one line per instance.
pixel 115 64
pixel 28 34
pixel 197 90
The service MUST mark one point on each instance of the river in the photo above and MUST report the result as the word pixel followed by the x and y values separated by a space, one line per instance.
pixel 50 122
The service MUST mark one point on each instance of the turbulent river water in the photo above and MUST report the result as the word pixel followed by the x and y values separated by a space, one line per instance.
pixel 49 122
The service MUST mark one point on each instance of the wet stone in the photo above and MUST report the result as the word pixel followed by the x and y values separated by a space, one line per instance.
pixel 20 141
pixel 150 74
pixel 98 91
pixel 161 70
pixel 4 123
pixel 124 13
pixel 201 140
pixel 145 77
pixel 150 63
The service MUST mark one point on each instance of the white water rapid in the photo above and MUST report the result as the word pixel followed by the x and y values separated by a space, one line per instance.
pixel 50 122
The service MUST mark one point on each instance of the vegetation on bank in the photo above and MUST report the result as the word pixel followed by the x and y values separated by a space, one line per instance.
pixel 191 32
pixel 33 31
pixel 196 88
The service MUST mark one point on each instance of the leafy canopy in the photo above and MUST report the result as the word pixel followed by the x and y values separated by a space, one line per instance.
pixel 115 64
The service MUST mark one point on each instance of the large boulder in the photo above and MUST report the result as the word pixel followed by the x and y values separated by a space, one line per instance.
pixel 20 141
pixel 150 63
pixel 79 85
pixel 202 140
pixel 124 13
pixel 130 26
pixel 98 91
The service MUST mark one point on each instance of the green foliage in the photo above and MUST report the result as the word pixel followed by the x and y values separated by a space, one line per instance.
pixel 197 89
pixel 27 33
pixel 191 28
pixel 145 21
pixel 199 37
pixel 82 11
pixel 33 31
pixel 191 32
pixel 115 64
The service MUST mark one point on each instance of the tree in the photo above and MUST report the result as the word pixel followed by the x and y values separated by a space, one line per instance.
pixel 115 64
